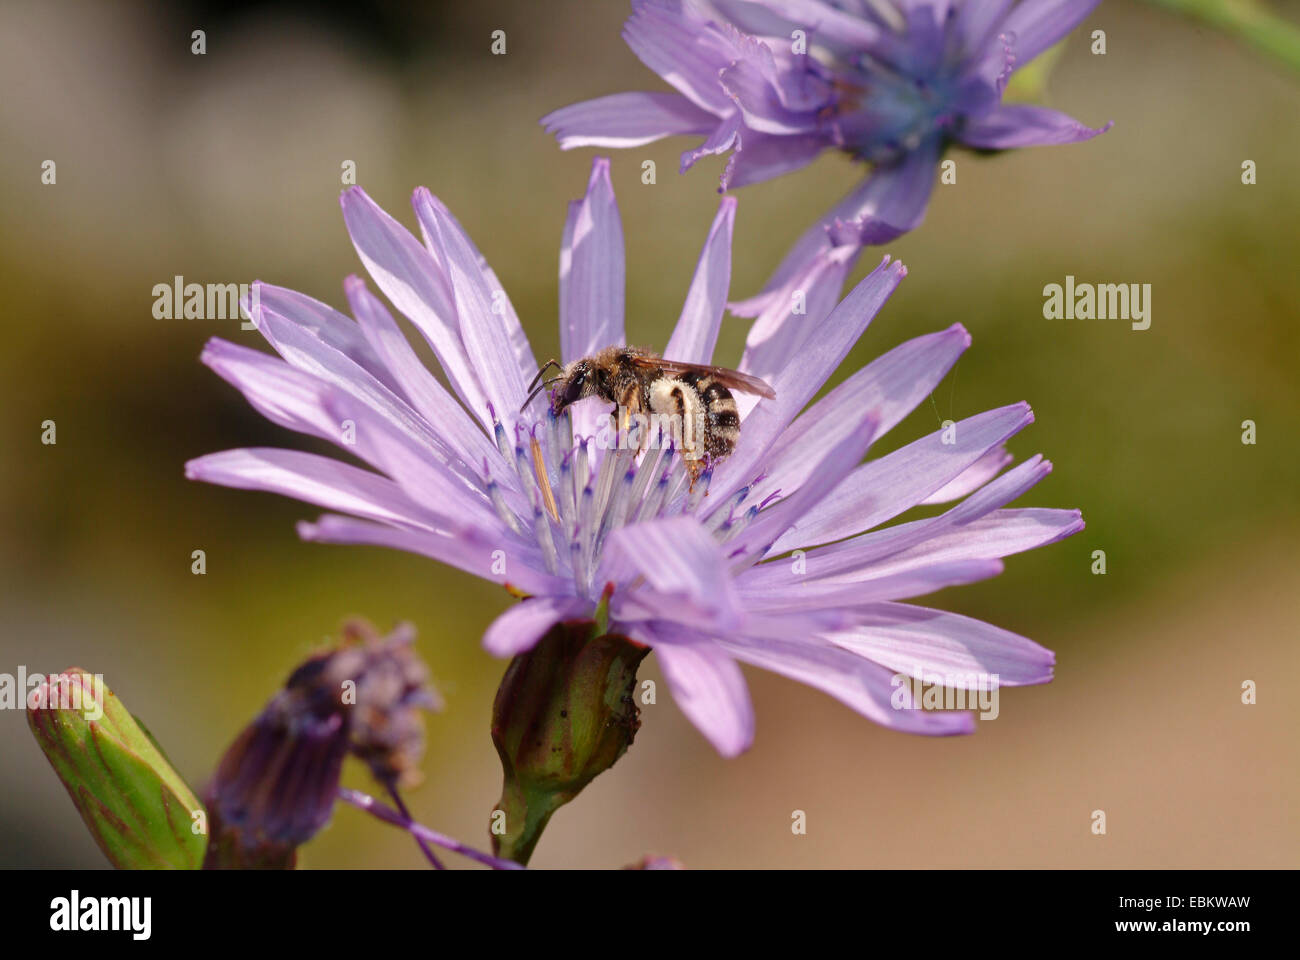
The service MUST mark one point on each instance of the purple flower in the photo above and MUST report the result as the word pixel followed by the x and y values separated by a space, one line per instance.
pixel 776 82
pixel 772 559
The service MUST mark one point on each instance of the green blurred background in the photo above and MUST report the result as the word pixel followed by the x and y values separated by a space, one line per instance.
pixel 225 168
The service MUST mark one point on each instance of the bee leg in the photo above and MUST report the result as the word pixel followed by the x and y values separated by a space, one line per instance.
pixel 693 469
pixel 629 404
pixel 620 412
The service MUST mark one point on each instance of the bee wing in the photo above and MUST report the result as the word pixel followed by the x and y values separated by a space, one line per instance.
pixel 731 379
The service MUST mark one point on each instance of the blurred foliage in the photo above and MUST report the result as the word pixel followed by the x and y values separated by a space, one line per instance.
pixel 1029 83
pixel 1252 21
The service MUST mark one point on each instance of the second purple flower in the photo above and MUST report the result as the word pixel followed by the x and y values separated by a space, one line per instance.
pixel 777 82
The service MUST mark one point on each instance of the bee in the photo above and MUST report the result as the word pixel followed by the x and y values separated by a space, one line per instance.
pixel 638 381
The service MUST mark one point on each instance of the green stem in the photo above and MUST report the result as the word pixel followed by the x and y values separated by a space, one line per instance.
pixel 527 814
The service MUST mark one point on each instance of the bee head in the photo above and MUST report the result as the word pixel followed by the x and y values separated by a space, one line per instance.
pixel 575 383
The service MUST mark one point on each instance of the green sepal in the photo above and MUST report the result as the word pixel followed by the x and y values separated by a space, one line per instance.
pixel 564 713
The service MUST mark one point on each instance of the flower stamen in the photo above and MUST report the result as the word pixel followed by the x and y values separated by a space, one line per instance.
pixel 499 502
pixel 543 479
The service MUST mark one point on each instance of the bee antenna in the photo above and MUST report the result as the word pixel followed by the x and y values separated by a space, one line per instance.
pixel 546 366
pixel 538 389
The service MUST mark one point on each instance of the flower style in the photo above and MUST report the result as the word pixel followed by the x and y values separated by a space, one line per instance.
pixel 776 82
pixel 771 559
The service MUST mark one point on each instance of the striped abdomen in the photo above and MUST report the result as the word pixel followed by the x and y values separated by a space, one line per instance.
pixel 700 401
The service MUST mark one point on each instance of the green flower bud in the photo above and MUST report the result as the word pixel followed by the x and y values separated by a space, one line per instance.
pixel 564 713
pixel 138 809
